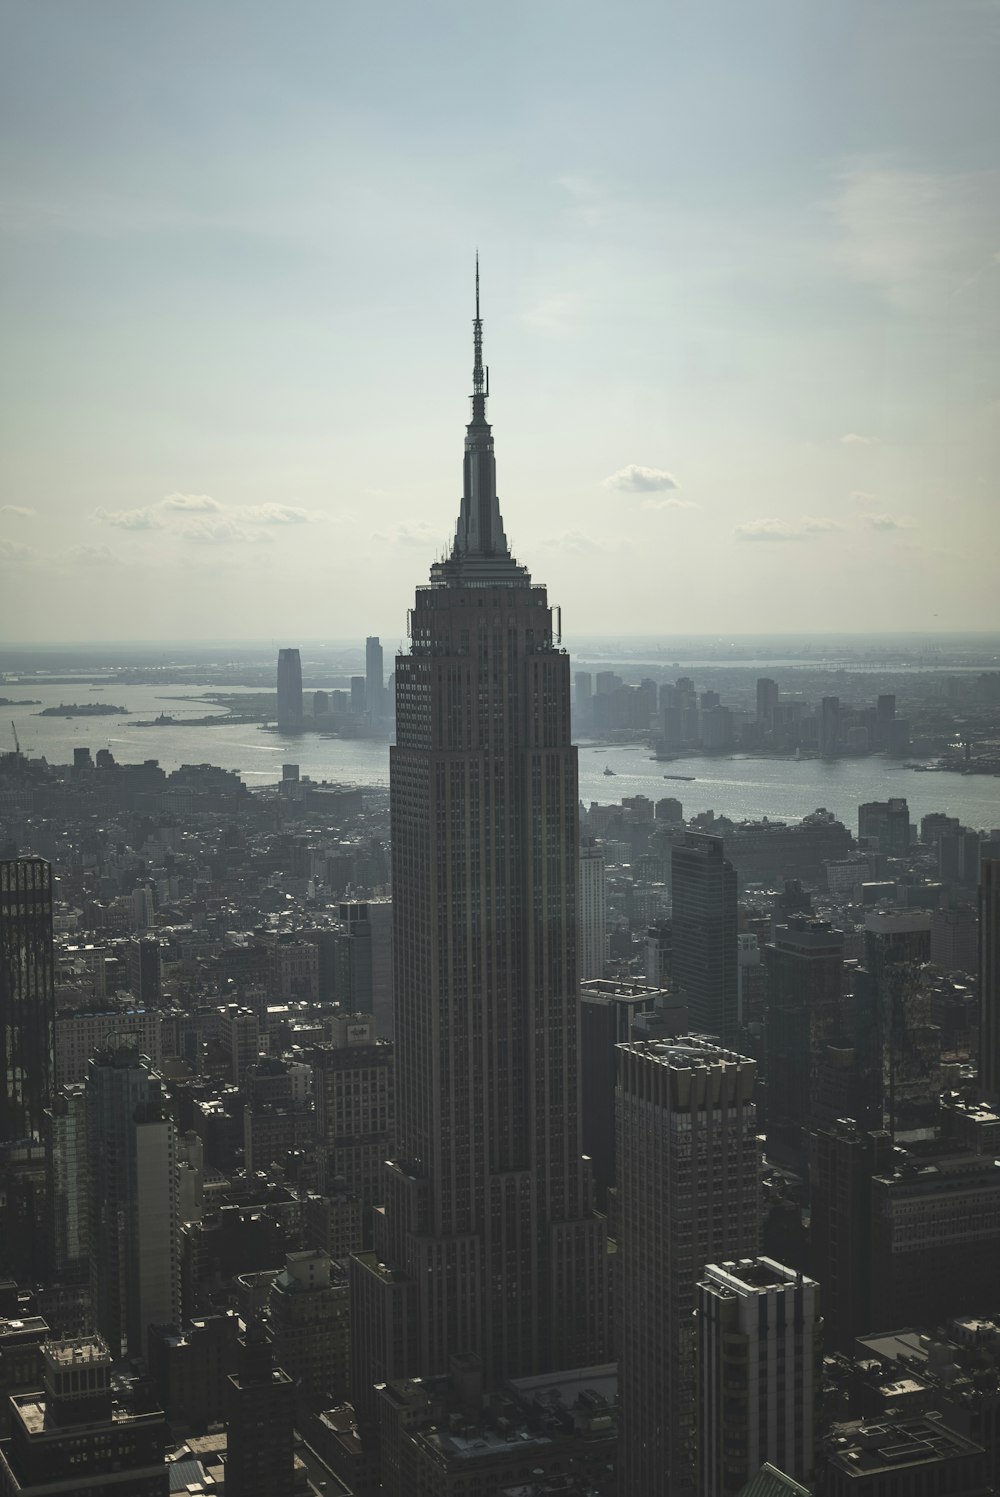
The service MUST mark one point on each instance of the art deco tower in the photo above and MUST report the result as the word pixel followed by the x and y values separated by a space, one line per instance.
pixel 487 1242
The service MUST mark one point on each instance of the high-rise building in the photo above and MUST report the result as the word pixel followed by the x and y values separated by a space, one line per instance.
pixel 688 1195
pixel 68 1175
pixel 374 678
pixel 843 1161
pixel 767 703
pixel 591 913
pixel 989 977
pixel 260 1422
pixel 27 997
pixel 759 1368
pixel 805 967
pixel 353 963
pixel 76 1435
pixel 487 1242
pixel 355 1108
pixel 289 691
pixel 887 823
pixel 705 952
pixel 611 1014
pixel 132 1151
pixel 829 726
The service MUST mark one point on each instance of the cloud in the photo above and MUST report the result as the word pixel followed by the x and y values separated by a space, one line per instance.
pixel 862 496
pixel 888 522
pixel 130 519
pixel 554 314
pixel 419 533
pixel 222 532
pixel 635 479
pixel 90 556
pixel 783 530
pixel 655 504
pixel 854 439
pixel 20 510
pixel 575 541
pixel 277 514
pixel 14 551
pixel 192 503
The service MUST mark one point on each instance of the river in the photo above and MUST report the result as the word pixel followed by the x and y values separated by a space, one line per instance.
pixel 740 787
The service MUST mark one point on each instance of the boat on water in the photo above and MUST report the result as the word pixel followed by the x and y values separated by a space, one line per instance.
pixel 608 769
pixel 680 776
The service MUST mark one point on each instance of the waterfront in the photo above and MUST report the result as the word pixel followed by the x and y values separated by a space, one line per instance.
pixel 740 787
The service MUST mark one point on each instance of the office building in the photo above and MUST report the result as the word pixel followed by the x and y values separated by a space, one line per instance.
pixel 144 973
pixel 592 916
pixel 189 1366
pixel 688 1195
pixel 132 1154
pixel 487 1242
pixel 289 691
pixel 705 953
pixel 353 1083
pixel 955 939
pixel 353 975
pixel 68 1174
pixel 805 977
pixel 921 1454
pixel 75 1435
pixel 310 1324
pixel 843 1161
pixel 829 726
pixel 260 1421
pixel 659 952
pixel 374 678
pixel 767 704
pixel 609 1016
pixel 27 997
pixel 886 823
pixel 759 1370
pixel 989 977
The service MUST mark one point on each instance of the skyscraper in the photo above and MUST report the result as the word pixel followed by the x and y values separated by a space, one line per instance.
pixel 260 1419
pixel 759 1362
pixel 767 703
pixel 289 691
pixel 989 977
pixel 805 969
pixel 374 686
pixel 135 1267
pixel 688 1195
pixel 591 913
pixel 487 1242
pixel 27 997
pixel 705 955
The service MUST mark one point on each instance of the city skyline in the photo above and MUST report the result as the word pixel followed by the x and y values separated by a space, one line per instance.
pixel 234 380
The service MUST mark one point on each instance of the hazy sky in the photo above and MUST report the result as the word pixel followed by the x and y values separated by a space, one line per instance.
pixel 741 282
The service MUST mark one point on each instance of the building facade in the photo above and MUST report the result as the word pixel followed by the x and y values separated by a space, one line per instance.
pixel 487 1240
pixel 688 1195
pixel 705 956
pixel 759 1368
pixel 289 691
pixel 27 997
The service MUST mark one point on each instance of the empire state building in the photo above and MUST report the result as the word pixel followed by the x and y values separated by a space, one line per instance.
pixel 487 1242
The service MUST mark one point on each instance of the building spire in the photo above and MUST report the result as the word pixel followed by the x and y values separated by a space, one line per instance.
pixel 480 551
pixel 480 374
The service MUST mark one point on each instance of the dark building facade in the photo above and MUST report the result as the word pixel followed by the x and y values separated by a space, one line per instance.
pixel 705 956
pixel 989 977
pixel 27 997
pixel 843 1160
pixel 260 1422
pixel 487 1242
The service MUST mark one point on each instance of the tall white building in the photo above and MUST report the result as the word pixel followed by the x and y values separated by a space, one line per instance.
pixel 688 1195
pixel 759 1357
pixel 591 913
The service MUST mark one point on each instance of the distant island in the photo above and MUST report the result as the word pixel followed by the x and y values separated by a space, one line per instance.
pixel 83 709
pixel 10 702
